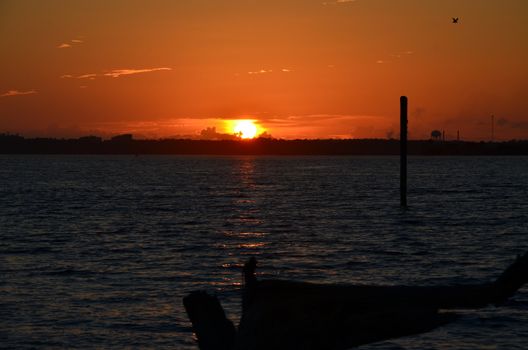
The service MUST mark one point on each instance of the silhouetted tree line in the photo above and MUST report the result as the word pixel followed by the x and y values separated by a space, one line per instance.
pixel 125 144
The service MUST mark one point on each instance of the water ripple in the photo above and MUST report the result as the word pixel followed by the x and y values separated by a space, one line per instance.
pixel 97 252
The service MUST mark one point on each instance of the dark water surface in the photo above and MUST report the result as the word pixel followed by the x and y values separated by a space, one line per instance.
pixel 97 251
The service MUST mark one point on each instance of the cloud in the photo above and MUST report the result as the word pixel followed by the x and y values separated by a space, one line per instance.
pixel 264 71
pixel 419 113
pixel 502 121
pixel 90 76
pixel 338 2
pixel 116 73
pixel 18 93
pixel 315 119
pixel 210 133
pixel 397 55
pixel 401 54
pixel 512 123
pixel 113 73
pixel 69 44
pixel 327 126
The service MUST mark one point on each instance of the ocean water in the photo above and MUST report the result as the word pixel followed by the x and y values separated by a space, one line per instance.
pixel 98 251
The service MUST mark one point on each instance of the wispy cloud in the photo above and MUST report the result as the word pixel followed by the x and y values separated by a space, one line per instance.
pixel 18 93
pixel 115 73
pixel 396 56
pixel 401 54
pixel 338 2
pixel 90 76
pixel 264 71
pixel 512 123
pixel 69 44
pixel 87 76
pixel 327 126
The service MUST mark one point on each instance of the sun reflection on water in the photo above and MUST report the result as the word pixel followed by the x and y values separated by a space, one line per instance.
pixel 242 234
pixel 252 245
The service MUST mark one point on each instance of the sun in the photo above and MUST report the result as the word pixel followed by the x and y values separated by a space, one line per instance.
pixel 246 129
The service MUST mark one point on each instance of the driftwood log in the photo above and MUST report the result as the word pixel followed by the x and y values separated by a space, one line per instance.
pixel 279 314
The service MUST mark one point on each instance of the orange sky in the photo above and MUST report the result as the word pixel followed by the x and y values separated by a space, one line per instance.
pixel 301 68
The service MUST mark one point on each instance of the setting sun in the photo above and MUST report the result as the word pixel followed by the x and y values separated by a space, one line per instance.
pixel 246 129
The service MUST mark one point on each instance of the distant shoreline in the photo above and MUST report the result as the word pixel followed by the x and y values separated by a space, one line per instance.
pixel 125 144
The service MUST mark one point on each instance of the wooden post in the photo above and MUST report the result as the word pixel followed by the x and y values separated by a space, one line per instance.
pixel 403 151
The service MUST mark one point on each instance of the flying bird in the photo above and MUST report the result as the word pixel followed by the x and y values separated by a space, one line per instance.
pixel 455 20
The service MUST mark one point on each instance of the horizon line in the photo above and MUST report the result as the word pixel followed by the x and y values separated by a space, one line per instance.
pixel 130 137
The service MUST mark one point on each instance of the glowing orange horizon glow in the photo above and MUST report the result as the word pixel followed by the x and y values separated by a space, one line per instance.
pixel 298 69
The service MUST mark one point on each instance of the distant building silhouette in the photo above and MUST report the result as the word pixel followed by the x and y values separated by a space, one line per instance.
pixel 122 138
pixel 436 135
pixel 125 144
pixel 7 137
pixel 90 139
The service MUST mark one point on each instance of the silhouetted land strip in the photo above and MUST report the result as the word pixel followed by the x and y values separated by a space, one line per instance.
pixel 13 144
pixel 279 314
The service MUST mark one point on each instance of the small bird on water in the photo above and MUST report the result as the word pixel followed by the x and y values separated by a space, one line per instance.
pixel 455 20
